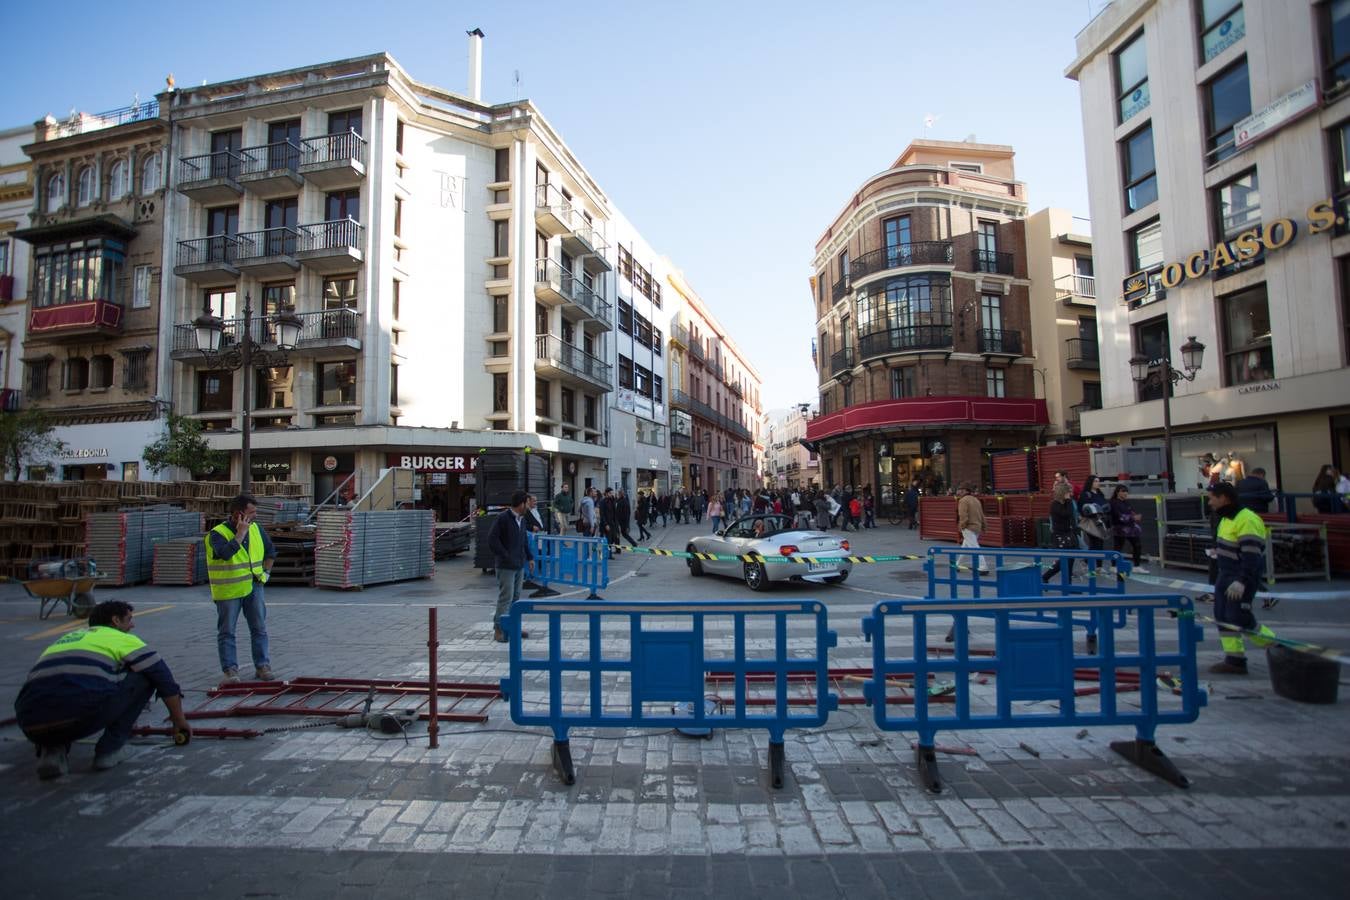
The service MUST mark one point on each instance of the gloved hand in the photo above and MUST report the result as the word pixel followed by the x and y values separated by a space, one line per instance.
pixel 1234 591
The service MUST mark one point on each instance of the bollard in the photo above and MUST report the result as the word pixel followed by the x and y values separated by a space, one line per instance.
pixel 432 643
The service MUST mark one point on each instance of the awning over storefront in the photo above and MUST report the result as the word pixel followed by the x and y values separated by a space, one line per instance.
pixel 922 412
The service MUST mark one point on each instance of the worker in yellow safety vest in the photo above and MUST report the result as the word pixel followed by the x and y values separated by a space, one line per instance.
pixel 1240 553
pixel 97 678
pixel 239 557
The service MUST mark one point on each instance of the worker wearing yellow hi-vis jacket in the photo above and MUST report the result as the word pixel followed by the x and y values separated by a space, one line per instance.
pixel 239 556
pixel 1240 549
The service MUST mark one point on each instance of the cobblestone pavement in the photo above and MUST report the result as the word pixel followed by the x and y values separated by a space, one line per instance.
pixel 330 812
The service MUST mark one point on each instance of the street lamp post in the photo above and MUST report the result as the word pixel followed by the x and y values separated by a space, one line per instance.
pixel 210 333
pixel 1147 371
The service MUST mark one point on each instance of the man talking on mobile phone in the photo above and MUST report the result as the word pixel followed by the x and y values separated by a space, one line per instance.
pixel 239 557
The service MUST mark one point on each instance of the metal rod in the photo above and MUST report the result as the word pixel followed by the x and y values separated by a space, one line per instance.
pixel 1168 382
pixel 432 727
pixel 245 476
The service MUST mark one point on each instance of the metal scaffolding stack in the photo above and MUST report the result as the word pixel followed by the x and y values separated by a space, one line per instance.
pixel 277 510
pixel 123 543
pixel 360 548
pixel 179 561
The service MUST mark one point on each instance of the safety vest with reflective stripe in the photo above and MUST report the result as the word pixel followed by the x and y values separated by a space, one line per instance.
pixel 233 578
pixel 1241 546
pixel 100 652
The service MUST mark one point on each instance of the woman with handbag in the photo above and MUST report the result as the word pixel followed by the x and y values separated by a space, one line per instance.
pixel 1063 535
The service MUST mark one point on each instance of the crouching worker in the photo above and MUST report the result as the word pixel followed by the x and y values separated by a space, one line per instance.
pixel 98 678
pixel 1240 553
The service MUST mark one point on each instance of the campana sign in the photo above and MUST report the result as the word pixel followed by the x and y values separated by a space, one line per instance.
pixel 1264 238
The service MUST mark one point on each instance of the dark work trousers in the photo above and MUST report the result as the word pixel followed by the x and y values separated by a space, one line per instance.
pixel 50 723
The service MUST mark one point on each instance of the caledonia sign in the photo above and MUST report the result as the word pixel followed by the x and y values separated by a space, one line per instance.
pixel 1264 238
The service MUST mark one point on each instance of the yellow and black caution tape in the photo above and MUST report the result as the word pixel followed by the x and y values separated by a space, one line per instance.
pixel 1261 638
pixel 760 558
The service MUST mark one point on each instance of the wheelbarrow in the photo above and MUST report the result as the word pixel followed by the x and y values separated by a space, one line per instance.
pixel 63 581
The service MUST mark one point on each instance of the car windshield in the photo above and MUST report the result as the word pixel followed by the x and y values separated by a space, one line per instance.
pixel 758 526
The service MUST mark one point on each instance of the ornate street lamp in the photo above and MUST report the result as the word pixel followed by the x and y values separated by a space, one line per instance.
pixel 240 355
pixel 1148 372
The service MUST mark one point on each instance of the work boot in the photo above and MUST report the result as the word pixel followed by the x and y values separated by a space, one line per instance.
pixel 1228 667
pixel 231 676
pixel 105 761
pixel 263 673
pixel 498 635
pixel 53 762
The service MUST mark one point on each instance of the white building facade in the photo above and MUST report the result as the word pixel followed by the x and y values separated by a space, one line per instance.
pixel 1217 138
pixel 16 199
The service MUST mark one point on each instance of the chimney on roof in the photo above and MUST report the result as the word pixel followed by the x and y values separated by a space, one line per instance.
pixel 476 65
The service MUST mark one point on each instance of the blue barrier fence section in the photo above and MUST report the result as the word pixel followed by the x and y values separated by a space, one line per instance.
pixel 652 667
pixel 1017 573
pixel 1033 673
pixel 579 561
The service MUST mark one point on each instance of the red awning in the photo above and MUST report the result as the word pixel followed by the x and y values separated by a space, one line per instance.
pixel 929 411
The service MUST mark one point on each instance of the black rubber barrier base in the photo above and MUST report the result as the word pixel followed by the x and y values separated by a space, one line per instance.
pixel 926 759
pixel 562 762
pixel 777 763
pixel 544 591
pixel 1147 756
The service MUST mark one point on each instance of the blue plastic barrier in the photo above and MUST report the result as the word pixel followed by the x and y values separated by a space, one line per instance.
pixel 657 678
pixel 580 561
pixel 1032 663
pixel 1017 573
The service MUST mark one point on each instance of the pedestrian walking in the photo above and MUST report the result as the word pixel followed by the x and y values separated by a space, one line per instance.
pixel 970 522
pixel 562 507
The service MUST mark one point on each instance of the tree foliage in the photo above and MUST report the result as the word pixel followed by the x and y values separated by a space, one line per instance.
pixel 183 446
pixel 27 436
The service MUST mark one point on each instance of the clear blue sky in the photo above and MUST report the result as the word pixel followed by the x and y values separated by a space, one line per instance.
pixel 730 133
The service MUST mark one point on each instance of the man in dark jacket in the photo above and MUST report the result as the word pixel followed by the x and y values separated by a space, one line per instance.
pixel 511 552
pixel 1254 491
pixel 624 509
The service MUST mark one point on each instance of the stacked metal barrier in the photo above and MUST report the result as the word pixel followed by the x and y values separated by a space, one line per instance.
pixel 354 549
pixel 123 543
pixel 179 561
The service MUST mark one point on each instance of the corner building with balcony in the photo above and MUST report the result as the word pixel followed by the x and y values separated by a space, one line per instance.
pixel 923 339
pixel 94 239
pixel 1217 137
pixel 447 258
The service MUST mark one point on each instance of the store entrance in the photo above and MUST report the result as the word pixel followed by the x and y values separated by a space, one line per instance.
pixel 445 495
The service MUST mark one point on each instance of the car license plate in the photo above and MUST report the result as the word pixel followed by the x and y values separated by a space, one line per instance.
pixel 821 567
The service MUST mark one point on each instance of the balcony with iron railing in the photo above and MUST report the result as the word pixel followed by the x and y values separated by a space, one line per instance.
pixel 918 253
pixel 680 400
pixel 681 443
pixel 328 333
pixel 211 178
pixel 996 342
pixel 82 123
pixel 840 288
pixel 1082 353
pixel 696 349
pixel 907 339
pixel 271 169
pixel 333 161
pixel 992 262
pixel 679 335
pixel 842 361
pixel 208 259
pixel 552 211
pixel 331 246
pixel 571 362
pixel 1081 289
pixel 585 241
pixel 267 253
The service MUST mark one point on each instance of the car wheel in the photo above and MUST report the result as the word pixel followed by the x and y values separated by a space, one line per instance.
pixel 756 577
pixel 695 565
pixel 838 579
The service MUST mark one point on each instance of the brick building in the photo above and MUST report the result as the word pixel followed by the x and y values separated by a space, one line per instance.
pixel 923 323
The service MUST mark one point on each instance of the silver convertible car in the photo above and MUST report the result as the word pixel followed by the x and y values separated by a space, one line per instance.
pixel 771 535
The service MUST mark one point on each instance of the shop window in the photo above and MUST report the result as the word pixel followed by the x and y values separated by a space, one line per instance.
pixel 1246 323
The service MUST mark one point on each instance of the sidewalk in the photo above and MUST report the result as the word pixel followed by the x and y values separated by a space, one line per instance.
pixel 327 812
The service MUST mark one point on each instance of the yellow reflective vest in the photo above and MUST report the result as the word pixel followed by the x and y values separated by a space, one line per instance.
pixel 233 578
